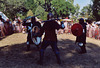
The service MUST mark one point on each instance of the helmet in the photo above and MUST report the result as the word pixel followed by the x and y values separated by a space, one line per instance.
pixel 81 20
pixel 50 16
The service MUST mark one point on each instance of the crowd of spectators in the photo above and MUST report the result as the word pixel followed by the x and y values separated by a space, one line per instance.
pixel 8 27
pixel 93 29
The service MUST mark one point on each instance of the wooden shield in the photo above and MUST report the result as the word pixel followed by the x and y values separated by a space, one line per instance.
pixel 34 35
pixel 77 29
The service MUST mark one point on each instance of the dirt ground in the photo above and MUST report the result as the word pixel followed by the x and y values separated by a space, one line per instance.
pixel 13 53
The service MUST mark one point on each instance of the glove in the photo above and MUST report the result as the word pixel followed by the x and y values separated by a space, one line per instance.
pixel 62 25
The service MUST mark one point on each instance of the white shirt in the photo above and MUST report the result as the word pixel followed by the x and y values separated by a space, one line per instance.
pixel 1 24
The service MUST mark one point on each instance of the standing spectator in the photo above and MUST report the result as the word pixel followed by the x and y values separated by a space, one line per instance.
pixel 19 25
pixel 66 27
pixel 96 32
pixel 14 24
pixel 90 29
pixel 94 28
pixel 69 27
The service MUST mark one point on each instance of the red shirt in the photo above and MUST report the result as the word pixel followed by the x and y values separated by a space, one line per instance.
pixel 49 29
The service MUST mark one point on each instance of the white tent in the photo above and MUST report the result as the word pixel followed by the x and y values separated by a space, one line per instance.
pixel 3 16
pixel 98 22
pixel 66 20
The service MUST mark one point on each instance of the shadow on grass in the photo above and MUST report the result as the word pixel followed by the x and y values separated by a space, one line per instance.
pixel 16 56
pixel 72 58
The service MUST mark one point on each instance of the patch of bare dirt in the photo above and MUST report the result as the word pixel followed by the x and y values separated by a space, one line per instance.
pixel 13 53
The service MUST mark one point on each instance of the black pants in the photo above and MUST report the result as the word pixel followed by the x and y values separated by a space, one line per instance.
pixel 29 40
pixel 53 44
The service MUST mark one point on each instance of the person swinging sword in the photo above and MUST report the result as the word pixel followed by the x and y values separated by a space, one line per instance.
pixel 50 37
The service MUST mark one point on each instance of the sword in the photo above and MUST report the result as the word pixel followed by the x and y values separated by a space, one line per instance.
pixel 31 17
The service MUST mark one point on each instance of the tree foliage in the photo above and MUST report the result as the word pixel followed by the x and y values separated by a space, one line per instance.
pixel 29 13
pixel 77 7
pixel 96 9
pixel 30 5
pixel 12 7
pixel 71 1
pixel 63 7
pixel 92 11
pixel 41 12
pixel 20 7
pixel 86 11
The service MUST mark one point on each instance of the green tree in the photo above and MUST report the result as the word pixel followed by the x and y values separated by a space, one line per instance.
pixel 41 11
pixel 63 8
pixel 96 9
pixel 30 5
pixel 12 7
pixel 20 7
pixel 71 1
pixel 33 4
pixel 86 11
pixel 29 13
pixel 77 8
pixel 76 15
pixel 1 5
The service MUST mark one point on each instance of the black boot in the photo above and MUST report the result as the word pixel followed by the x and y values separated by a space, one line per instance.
pixel 40 62
pixel 28 47
pixel 58 59
pixel 83 49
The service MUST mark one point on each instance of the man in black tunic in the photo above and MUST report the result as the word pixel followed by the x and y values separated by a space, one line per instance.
pixel 82 39
pixel 30 25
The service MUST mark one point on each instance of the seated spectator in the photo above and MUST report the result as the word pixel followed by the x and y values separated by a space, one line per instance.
pixel 2 28
pixel 8 26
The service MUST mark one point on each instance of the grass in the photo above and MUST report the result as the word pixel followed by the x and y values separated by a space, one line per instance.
pixel 13 53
